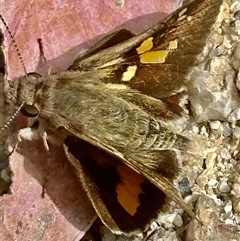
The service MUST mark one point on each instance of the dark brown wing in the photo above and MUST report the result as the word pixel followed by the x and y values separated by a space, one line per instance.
pixel 188 26
pixel 125 200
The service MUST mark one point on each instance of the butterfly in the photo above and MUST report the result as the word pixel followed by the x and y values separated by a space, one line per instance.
pixel 110 110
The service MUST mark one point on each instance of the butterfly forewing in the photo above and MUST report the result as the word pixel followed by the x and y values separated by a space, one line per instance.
pixel 188 28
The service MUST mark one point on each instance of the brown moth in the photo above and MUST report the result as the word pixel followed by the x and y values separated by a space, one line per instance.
pixel 113 132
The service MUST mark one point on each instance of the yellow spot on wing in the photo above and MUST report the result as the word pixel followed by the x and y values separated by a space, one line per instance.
pixel 173 44
pixel 154 57
pixel 145 46
pixel 129 73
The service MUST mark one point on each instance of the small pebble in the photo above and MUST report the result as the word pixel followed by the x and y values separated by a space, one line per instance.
pixel 228 208
pixel 229 221
pixel 226 130
pixel 236 188
pixel 195 129
pixel 236 132
pixel 171 217
pixel 211 159
pixel 154 225
pixel 223 187
pixel 233 162
pixel 215 125
pixel 178 221
pixel 212 182
pixel 203 131
pixel 225 154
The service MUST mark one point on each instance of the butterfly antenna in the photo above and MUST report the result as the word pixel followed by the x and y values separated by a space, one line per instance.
pixel 25 71
pixel 14 44
pixel 11 119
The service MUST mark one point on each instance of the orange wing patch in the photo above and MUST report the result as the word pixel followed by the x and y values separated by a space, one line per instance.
pixel 129 188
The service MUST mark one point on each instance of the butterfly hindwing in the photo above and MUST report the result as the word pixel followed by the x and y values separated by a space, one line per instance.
pixel 118 192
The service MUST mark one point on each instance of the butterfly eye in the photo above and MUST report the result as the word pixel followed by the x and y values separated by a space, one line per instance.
pixel 30 111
